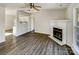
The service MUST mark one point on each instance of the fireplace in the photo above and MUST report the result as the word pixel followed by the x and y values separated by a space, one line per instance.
pixel 57 33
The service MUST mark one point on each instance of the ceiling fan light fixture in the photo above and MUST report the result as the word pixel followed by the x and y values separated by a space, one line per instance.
pixel 31 10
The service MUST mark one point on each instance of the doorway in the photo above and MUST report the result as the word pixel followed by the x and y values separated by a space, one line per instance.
pixel 9 24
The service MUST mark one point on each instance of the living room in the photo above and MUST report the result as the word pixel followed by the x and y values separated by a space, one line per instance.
pixel 22 23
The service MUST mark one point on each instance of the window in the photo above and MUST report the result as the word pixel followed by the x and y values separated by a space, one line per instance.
pixel 77 27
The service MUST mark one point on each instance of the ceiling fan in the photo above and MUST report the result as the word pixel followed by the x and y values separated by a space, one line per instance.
pixel 31 7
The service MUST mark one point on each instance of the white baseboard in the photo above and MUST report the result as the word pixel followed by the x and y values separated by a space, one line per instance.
pixel 20 34
pixel 60 43
pixel 42 32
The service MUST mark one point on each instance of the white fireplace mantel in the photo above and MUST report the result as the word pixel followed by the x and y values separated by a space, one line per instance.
pixel 65 25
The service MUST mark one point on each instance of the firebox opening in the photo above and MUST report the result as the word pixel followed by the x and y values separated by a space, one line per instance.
pixel 57 33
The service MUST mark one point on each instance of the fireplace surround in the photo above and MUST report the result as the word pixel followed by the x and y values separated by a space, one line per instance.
pixel 61 31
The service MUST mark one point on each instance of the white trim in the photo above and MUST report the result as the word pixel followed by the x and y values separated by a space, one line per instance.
pixel 74 46
pixel 56 40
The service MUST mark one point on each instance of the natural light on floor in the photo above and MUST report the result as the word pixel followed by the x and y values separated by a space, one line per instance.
pixel 6 34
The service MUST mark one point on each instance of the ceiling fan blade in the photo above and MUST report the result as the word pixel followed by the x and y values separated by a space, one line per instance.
pixel 36 9
pixel 38 6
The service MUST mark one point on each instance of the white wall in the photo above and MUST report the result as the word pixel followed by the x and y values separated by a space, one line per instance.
pixel 19 27
pixel 9 22
pixel 2 22
pixel 10 16
pixel 57 14
pixel 42 19
pixel 70 11
pixel 32 19
pixel 70 16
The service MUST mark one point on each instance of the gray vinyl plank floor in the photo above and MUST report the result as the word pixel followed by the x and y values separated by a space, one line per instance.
pixel 31 44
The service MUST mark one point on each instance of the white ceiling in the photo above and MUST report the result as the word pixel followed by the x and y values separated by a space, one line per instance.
pixel 53 5
pixel 43 5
